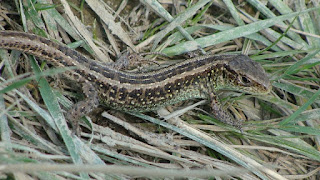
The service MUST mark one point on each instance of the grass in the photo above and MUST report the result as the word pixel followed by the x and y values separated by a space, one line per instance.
pixel 281 132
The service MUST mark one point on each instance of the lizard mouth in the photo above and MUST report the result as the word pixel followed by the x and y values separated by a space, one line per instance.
pixel 267 89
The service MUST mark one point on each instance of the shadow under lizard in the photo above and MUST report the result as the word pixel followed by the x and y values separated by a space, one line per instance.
pixel 199 77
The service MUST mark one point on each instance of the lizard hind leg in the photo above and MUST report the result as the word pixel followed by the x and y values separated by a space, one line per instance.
pixel 83 107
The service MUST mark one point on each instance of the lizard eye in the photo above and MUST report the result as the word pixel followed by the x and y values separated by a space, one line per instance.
pixel 245 80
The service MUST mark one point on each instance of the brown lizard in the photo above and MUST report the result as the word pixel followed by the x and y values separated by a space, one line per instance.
pixel 198 77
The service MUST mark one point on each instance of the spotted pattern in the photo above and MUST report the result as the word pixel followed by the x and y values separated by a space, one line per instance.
pixel 194 78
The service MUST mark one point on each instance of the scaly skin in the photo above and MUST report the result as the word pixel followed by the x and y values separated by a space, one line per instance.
pixel 199 77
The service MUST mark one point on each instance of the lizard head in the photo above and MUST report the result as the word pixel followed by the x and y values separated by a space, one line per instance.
pixel 240 73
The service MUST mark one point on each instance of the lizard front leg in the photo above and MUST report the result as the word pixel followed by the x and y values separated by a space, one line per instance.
pixel 222 115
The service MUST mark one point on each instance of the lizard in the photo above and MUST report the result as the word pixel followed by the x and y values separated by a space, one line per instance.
pixel 198 77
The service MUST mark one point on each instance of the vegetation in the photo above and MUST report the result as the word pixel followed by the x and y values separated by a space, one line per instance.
pixel 280 138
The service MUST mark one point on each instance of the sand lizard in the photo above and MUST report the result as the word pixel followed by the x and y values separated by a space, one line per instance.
pixel 199 77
